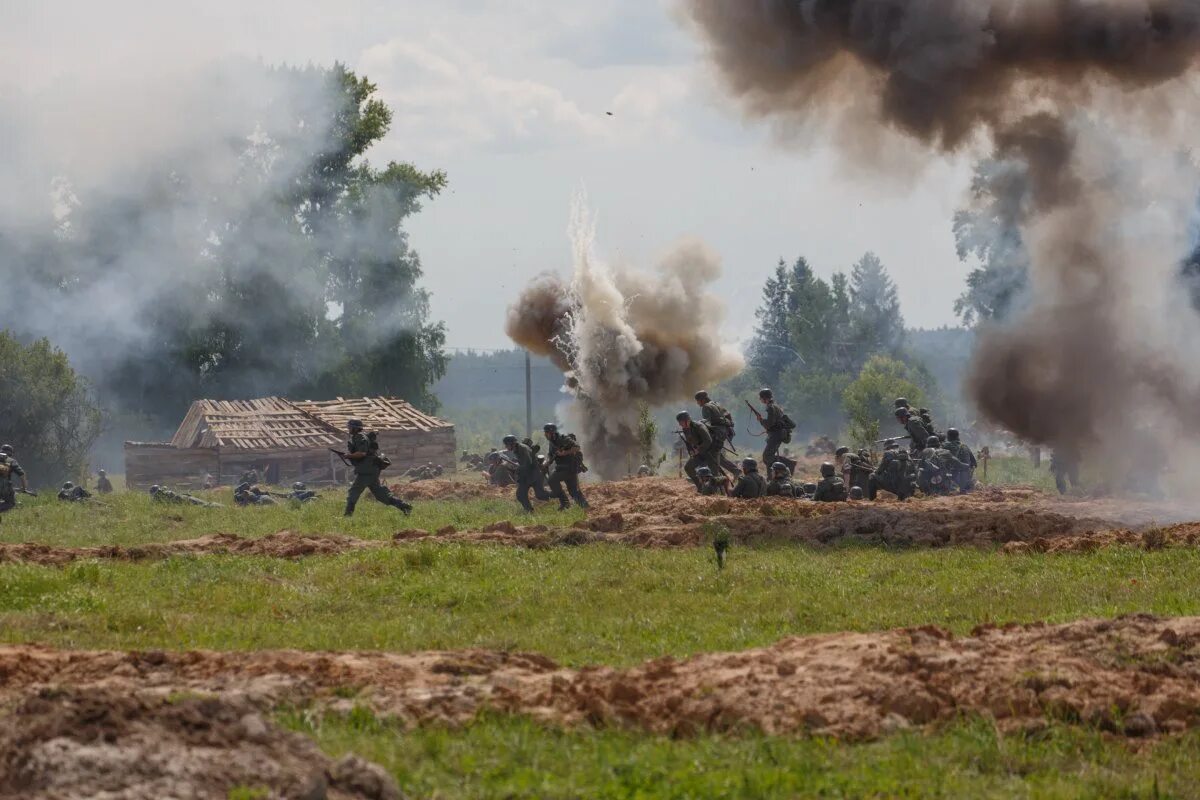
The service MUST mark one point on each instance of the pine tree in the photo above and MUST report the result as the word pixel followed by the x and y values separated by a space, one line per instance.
pixel 876 325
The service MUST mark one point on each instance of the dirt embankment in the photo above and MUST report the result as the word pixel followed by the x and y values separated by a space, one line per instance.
pixel 1136 676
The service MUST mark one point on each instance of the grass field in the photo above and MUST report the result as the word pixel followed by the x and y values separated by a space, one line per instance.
pixel 603 604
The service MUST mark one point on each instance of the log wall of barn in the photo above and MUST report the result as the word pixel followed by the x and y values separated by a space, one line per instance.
pixel 409 448
pixel 149 463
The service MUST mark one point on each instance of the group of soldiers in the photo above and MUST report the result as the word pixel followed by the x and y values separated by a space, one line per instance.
pixel 935 463
pixel 550 476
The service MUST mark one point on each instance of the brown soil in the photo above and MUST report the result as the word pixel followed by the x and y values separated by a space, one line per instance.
pixel 284 544
pixel 1135 676
pixel 97 742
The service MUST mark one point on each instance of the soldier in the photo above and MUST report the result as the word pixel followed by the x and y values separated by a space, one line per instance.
pixel 720 425
pixel 9 469
pixel 250 476
pixel 1064 464
pixel 301 493
pixel 927 421
pixel 779 427
pixel 831 488
pixel 699 442
pixel 859 472
pixel 893 475
pixel 526 472
pixel 161 495
pixel 644 471
pixel 103 484
pixel 780 484
pixel 856 493
pixel 915 429
pixel 364 456
pixel 964 478
pixel 72 493
pixel 750 484
pixel 710 484
pixel 247 495
pixel 810 491
pixel 938 468
pixel 566 464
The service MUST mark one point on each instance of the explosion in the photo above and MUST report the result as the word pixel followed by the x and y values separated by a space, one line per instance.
pixel 624 338
pixel 1089 99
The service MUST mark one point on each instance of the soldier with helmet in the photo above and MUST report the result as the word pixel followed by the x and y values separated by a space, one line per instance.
pixel 936 474
pixel 896 474
pixel 526 472
pixel 72 493
pixel 780 484
pixel 913 426
pixel 699 442
pixel 565 461
pixel 9 471
pixel 363 455
pixel 779 427
pixel 711 484
pixel 301 493
pixel 749 484
pixel 720 426
pixel 831 488
pixel 965 478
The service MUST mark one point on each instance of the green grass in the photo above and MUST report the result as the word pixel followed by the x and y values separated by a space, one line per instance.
pixel 1017 470
pixel 594 604
pixel 131 518
pixel 503 757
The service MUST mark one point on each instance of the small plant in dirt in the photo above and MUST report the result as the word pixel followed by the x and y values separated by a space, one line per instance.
pixel 1154 538
pixel 249 793
pixel 718 534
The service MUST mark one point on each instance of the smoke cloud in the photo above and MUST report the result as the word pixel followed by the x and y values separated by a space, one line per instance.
pixel 1089 99
pixel 624 337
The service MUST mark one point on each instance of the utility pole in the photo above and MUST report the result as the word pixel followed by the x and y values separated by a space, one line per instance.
pixel 528 397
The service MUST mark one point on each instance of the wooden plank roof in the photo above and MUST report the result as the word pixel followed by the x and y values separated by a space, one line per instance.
pixel 270 423
pixel 376 413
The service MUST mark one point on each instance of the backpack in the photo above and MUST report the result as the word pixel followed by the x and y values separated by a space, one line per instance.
pixel 725 415
pixel 788 427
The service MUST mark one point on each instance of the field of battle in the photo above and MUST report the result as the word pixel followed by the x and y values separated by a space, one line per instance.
pixel 265 532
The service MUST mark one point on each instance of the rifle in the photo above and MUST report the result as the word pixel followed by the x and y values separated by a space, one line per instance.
pixel 683 438
pixel 756 413
pixel 343 456
pixel 29 492
pixel 892 439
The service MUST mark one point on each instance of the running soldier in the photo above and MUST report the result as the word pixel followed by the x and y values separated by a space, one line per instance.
pixel 10 469
pixel 779 428
pixel 363 455
pixel 699 442
pixel 527 472
pixel 565 463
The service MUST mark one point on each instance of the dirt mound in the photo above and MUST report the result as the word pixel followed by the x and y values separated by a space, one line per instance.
pixel 100 742
pixel 1135 676
pixel 1184 535
pixel 445 489
pixel 283 544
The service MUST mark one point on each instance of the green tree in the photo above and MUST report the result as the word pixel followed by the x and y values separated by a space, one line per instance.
pixel 988 231
pixel 48 411
pixel 868 400
pixel 875 323
pixel 814 401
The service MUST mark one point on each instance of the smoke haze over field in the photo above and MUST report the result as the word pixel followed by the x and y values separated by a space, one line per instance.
pixel 625 337
pixel 1091 98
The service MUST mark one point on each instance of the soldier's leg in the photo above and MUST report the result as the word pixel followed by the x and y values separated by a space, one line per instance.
pixel 385 496
pixel 539 486
pixel 771 449
pixel 354 492
pixel 1060 482
pixel 873 487
pixel 556 489
pixel 572 481
pixel 523 487
pixel 689 469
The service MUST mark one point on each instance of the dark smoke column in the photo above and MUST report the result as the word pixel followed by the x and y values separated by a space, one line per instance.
pixel 1088 96
pixel 624 338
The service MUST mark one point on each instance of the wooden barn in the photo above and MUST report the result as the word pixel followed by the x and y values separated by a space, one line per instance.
pixel 407 435
pixel 286 441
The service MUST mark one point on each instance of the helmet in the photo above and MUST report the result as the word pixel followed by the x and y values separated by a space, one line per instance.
pixel 827 470
pixel 683 416
pixel 903 412
pixel 298 486
pixel 549 427
pixel 902 455
pixel 779 466
pixel 810 488
pixel 101 473
pixel 528 442
pixel 701 396
pixel 244 486
pixel 765 394
pixel 749 465
pixel 68 486
pixel 155 489
pixel 841 451
pixel 924 412
pixel 703 472
pixel 952 434
pixel 856 493
pixel 510 440
pixel 864 453
pixel 354 424
pixel 933 442
pixel 890 444
pixel 901 402
pixel 7 449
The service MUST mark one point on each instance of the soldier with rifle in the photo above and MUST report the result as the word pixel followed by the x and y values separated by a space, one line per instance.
pixel 363 456
pixel 10 469
pixel 163 495
pixel 527 471
pixel 698 440
pixel 778 427
pixel 73 494
pixel 710 484
pixel 964 478
pixel 936 474
pixel 565 463
pixel 720 425
pixel 916 430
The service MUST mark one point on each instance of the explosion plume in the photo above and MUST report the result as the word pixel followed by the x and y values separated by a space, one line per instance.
pixel 624 337
pixel 1088 99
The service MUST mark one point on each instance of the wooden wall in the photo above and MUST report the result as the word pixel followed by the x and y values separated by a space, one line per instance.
pixel 149 463
pixel 409 448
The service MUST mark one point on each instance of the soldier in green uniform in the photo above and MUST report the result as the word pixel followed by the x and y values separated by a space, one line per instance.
pixel 161 495
pixel 72 493
pixel 749 484
pixel 247 495
pixel 711 485
pixel 938 468
pixel 780 484
pixel 10 470
pixel 914 428
pixel 699 442
pixel 778 426
pixel 301 493
pixel 720 426
pixel 859 472
pixel 103 484
pixel 831 488
pixel 363 455
pixel 526 472
pixel 566 464
pixel 964 478
pixel 894 474
pixel 1064 464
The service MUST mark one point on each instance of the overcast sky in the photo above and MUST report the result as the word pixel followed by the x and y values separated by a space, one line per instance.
pixel 511 98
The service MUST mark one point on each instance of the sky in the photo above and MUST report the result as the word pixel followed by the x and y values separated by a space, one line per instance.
pixel 524 103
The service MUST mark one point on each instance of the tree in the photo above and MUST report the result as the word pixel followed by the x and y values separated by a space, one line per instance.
pixel 48 411
pixel 874 319
pixel 869 399
pixel 989 230
pixel 814 400
pixel 771 350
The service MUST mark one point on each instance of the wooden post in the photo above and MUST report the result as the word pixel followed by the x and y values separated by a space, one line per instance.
pixel 528 397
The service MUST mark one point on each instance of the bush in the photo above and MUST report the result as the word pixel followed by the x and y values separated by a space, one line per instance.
pixel 869 400
pixel 47 411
